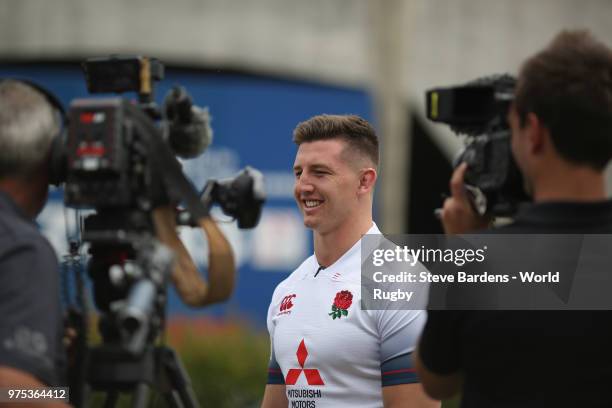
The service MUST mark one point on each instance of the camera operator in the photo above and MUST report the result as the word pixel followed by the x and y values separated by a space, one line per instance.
pixel 561 123
pixel 31 350
pixel 31 327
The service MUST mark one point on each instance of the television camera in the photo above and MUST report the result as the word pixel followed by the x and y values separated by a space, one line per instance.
pixel 120 159
pixel 478 110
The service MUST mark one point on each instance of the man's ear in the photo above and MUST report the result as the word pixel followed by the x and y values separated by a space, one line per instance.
pixel 538 135
pixel 367 179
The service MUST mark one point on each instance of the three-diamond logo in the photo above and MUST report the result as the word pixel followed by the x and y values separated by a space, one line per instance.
pixel 312 374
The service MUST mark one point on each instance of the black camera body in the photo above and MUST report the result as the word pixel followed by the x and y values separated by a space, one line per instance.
pixel 107 165
pixel 479 111
pixel 113 148
pixel 118 160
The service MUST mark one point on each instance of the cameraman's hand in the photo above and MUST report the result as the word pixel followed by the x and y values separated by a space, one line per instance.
pixel 458 216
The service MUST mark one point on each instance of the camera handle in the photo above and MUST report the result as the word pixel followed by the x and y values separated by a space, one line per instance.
pixel 478 200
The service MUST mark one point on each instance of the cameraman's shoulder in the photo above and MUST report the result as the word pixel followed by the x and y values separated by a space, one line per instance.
pixel 20 239
pixel 14 227
pixel 44 249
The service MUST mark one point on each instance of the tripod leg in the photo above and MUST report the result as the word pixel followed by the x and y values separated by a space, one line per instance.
pixel 173 399
pixel 141 396
pixel 177 379
pixel 111 399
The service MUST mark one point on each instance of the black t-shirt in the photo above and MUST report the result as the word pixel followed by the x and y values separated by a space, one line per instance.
pixel 30 308
pixel 529 358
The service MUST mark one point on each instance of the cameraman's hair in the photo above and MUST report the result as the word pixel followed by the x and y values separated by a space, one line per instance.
pixel 28 124
pixel 356 131
pixel 568 85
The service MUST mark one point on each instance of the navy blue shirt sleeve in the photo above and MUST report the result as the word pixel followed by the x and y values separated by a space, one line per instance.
pixel 398 370
pixel 275 375
pixel 30 308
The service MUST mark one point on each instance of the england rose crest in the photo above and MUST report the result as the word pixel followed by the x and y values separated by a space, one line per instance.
pixel 342 302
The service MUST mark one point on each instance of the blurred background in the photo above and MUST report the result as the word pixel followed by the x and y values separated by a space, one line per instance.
pixel 262 66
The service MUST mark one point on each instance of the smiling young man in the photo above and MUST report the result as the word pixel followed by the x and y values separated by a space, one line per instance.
pixel 326 351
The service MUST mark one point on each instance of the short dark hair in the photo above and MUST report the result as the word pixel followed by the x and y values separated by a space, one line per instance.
pixel 568 86
pixel 356 131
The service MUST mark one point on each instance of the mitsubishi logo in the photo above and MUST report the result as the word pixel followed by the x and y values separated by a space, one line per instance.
pixel 312 374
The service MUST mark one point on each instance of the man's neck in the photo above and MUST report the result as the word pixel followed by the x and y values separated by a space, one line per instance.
pixel 570 183
pixel 329 247
pixel 20 195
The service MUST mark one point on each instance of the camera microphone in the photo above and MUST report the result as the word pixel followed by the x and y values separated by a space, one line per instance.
pixel 189 125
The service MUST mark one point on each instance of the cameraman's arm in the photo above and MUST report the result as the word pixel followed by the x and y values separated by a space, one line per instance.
pixel 458 216
pixel 190 285
pixel 11 378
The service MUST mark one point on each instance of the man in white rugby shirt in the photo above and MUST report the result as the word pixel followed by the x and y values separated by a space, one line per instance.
pixel 326 351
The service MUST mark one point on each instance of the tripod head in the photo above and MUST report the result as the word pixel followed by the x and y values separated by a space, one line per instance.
pixel 130 270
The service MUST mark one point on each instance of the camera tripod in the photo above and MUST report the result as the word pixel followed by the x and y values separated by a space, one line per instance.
pixel 132 302
pixel 114 371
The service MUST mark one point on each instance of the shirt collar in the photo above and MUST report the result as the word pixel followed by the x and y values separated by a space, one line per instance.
pixel 355 248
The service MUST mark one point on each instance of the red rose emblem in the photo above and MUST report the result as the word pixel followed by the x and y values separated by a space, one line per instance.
pixel 342 302
pixel 343 299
